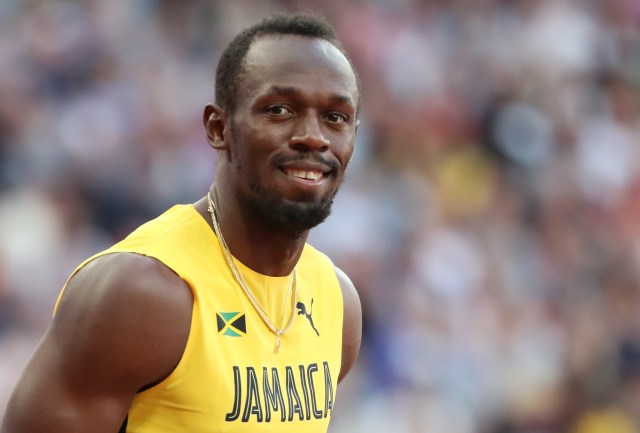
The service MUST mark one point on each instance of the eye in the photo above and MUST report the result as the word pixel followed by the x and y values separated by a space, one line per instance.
pixel 279 110
pixel 336 117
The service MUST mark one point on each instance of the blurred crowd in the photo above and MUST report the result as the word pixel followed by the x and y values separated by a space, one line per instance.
pixel 490 218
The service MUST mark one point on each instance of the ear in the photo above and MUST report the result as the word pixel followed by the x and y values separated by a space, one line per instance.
pixel 213 119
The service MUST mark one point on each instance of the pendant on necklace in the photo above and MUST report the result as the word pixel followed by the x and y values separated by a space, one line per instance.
pixel 277 347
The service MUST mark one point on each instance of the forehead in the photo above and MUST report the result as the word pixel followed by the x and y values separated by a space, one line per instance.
pixel 291 60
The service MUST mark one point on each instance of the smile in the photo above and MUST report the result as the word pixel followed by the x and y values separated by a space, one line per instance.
pixel 304 174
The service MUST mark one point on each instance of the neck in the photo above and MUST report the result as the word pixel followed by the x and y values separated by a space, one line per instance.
pixel 257 246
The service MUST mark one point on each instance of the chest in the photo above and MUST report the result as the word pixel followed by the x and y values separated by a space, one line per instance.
pixel 231 377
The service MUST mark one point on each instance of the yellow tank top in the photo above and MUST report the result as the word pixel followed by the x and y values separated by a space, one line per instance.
pixel 229 378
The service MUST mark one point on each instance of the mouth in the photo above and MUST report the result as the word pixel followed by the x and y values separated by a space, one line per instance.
pixel 312 175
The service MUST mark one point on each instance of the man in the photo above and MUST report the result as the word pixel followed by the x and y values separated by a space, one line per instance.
pixel 218 316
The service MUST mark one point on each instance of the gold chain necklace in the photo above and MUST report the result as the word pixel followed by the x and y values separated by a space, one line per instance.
pixel 245 288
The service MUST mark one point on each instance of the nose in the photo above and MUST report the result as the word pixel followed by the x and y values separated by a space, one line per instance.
pixel 308 134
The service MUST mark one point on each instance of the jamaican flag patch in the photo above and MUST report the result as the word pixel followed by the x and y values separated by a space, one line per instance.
pixel 231 324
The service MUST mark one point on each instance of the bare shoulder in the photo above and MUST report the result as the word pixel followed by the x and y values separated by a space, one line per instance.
pixel 352 325
pixel 131 306
pixel 349 292
pixel 125 281
pixel 122 323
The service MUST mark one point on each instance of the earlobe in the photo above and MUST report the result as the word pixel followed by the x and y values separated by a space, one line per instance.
pixel 213 118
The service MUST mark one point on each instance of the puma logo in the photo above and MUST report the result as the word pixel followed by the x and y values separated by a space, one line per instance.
pixel 302 311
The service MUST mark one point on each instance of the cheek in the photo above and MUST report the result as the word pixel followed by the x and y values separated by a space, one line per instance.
pixel 344 152
pixel 263 138
pixel 247 149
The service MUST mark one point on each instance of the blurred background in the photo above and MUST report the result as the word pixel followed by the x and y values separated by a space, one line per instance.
pixel 490 218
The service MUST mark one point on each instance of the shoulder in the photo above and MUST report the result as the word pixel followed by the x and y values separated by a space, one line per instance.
pixel 352 323
pixel 349 292
pixel 127 281
pixel 319 262
pixel 131 307
pixel 121 325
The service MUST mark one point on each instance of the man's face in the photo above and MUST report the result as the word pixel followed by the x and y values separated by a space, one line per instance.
pixel 293 131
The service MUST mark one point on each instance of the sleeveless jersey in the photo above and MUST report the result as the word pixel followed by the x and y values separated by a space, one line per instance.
pixel 230 379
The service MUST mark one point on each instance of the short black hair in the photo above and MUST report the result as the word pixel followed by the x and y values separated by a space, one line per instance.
pixel 230 66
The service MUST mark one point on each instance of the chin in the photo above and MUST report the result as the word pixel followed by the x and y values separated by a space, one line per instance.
pixel 291 217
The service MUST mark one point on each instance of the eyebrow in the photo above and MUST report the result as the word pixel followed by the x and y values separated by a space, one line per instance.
pixel 293 91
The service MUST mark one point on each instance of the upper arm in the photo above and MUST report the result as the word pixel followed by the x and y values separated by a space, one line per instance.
pixel 352 323
pixel 122 323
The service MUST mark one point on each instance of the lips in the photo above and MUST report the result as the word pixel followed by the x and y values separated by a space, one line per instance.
pixel 308 170
pixel 304 174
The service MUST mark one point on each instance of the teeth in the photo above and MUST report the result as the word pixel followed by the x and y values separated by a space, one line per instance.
pixel 310 175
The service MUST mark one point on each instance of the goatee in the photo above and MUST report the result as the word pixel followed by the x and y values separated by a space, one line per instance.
pixel 292 218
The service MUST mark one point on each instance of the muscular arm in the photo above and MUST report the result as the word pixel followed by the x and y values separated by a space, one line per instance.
pixel 122 323
pixel 352 324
